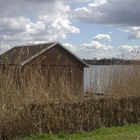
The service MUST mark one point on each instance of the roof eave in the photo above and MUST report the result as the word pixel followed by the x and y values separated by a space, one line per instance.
pixel 85 64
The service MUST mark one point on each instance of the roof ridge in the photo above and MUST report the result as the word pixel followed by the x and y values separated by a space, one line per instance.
pixel 26 56
pixel 35 55
pixel 37 44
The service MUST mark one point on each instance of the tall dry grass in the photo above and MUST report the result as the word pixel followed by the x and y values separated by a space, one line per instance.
pixel 30 104
pixel 30 84
pixel 21 89
pixel 116 80
pixel 125 81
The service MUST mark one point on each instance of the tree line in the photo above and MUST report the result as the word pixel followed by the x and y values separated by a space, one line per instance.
pixel 111 61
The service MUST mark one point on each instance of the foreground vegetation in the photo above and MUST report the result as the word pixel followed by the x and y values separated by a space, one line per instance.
pixel 31 105
pixel 128 132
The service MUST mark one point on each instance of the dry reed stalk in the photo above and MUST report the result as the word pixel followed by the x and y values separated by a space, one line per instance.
pixel 125 82
pixel 20 88
pixel 30 105
pixel 30 85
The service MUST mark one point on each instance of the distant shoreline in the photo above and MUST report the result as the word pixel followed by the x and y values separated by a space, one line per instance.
pixel 112 61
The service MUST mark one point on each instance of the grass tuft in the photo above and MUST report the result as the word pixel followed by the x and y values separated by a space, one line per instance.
pixel 127 132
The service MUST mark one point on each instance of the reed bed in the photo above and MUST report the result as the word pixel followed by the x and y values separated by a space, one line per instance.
pixel 125 81
pixel 32 104
pixel 116 80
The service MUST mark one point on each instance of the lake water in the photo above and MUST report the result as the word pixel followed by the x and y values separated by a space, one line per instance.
pixel 100 78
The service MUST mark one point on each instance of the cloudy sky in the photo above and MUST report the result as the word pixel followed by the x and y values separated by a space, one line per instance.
pixel 90 28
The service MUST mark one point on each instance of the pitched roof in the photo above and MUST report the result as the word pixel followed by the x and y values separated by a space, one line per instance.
pixel 23 54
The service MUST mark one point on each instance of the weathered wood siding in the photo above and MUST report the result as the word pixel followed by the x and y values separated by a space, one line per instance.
pixel 59 63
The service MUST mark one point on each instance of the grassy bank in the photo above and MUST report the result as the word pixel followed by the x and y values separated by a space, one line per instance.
pixel 128 132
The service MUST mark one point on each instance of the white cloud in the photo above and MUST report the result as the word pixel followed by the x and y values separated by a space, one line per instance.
pixel 14 25
pixel 129 51
pixel 102 37
pixel 100 50
pixel 91 49
pixel 71 47
pixel 133 32
pixel 97 3
pixel 33 21
pixel 82 13
pixel 127 48
pixel 96 45
pixel 134 49
pixel 59 21
pixel 47 20
pixel 114 12
pixel 123 13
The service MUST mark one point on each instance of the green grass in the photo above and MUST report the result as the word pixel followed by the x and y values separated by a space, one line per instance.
pixel 127 132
